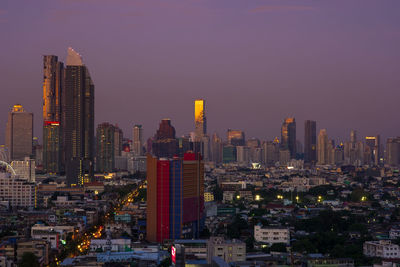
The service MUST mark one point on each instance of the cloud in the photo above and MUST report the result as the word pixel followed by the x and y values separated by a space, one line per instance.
pixel 280 8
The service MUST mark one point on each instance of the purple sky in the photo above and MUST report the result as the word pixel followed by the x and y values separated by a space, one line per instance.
pixel 254 61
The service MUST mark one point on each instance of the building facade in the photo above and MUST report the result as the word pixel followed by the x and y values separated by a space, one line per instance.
pixel 288 136
pixel 175 197
pixel 78 121
pixel 105 147
pixel 19 133
pixel 53 81
pixel 310 141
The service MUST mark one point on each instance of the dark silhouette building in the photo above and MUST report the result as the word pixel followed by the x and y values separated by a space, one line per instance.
pixel 165 144
pixel 288 136
pixel 78 121
pixel 105 147
pixel 310 142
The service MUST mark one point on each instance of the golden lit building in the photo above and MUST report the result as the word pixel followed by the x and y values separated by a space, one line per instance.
pixel 200 118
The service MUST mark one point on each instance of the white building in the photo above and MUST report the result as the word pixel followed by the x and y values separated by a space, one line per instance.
pixel 52 234
pixel 137 140
pixel 117 245
pixel 382 249
pixel 18 192
pixel 137 163
pixel 271 235
pixel 24 169
pixel 229 250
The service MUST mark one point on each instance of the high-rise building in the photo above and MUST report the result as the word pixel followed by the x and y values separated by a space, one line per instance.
pixel 373 143
pixel 288 136
pixel 137 140
pixel 271 153
pixel 105 147
pixel 236 138
pixel 25 169
pixel 19 133
pixel 53 80
pixel 78 121
pixel 165 144
pixel 392 156
pixel 175 197
pixel 310 141
pixel 200 120
pixel 322 147
pixel 216 148
pixel 118 136
pixel 243 155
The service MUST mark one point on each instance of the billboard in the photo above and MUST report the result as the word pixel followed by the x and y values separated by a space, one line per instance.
pixel 173 254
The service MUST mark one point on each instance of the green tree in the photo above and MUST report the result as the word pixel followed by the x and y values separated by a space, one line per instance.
pixel 29 260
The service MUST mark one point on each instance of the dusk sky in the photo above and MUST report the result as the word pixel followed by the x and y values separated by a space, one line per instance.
pixel 255 62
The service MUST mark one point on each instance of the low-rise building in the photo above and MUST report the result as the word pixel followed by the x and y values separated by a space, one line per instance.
pixel 229 250
pixel 382 248
pixel 271 235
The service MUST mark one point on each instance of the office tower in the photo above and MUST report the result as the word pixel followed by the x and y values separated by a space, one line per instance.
pixel 288 136
pixel 235 138
pixel 19 133
pixel 271 153
pixel 78 121
pixel 322 148
pixel 353 137
pixel 243 155
pixel 105 147
pixel 229 154
pixel 25 169
pixel 373 144
pixel 254 145
pixel 330 153
pixel 118 137
pixel 137 140
pixel 175 197
pixel 165 143
pixel 216 149
pixel 310 141
pixel 53 80
pixel 205 148
pixel 392 156
pixel 284 156
pixel 200 119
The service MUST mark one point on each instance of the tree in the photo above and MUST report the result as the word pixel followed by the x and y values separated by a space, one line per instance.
pixel 29 260
pixel 278 247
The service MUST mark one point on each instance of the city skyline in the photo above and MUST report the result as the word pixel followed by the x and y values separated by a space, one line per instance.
pixel 338 87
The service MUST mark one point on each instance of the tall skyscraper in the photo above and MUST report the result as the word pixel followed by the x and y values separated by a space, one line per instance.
pixel 175 197
pixel 216 148
pixel 165 144
pixel 118 136
pixel 200 119
pixel 19 133
pixel 288 136
pixel 310 141
pixel 392 156
pixel 137 140
pixel 322 147
pixel 78 120
pixel 53 79
pixel 105 148
pixel 373 143
pixel 236 137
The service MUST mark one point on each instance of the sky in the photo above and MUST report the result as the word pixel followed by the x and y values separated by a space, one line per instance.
pixel 254 62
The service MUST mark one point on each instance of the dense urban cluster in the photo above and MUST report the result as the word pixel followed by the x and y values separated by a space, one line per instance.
pixel 91 196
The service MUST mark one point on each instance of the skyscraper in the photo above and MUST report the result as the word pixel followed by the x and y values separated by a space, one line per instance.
pixel 118 136
pixel 165 144
pixel 216 148
pixel 373 143
pixel 53 79
pixel 19 133
pixel 235 137
pixel 105 148
pixel 310 141
pixel 137 140
pixel 78 120
pixel 200 119
pixel 322 147
pixel 288 136
pixel 175 197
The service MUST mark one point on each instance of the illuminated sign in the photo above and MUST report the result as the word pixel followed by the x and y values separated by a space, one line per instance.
pixel 173 254
pixel 52 123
